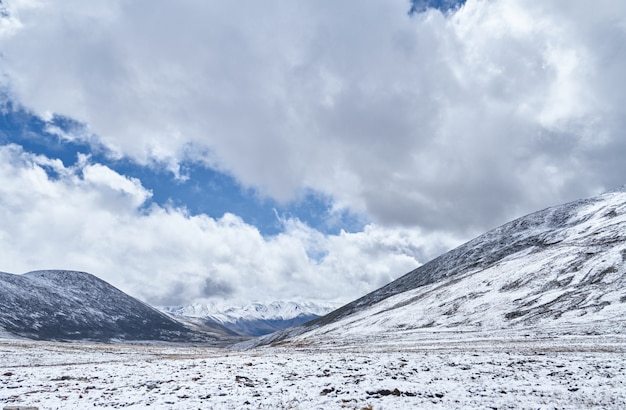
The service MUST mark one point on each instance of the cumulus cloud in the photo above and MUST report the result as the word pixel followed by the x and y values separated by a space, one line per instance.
pixel 455 122
pixel 88 217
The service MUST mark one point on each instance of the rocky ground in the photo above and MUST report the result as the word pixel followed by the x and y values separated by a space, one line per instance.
pixel 566 372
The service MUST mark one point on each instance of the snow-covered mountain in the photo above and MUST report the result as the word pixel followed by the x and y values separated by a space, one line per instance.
pixel 68 305
pixel 255 319
pixel 562 270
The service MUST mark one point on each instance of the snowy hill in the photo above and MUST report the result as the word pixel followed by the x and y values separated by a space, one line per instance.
pixel 562 270
pixel 256 319
pixel 67 305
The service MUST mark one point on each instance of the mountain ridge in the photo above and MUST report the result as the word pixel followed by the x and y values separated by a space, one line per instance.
pixel 561 267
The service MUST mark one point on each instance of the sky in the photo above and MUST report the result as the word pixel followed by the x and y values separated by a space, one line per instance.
pixel 229 152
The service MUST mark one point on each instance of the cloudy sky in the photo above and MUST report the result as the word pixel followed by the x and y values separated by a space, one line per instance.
pixel 305 150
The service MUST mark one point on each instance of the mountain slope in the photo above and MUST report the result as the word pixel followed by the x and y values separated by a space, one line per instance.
pixel 563 267
pixel 67 305
pixel 255 319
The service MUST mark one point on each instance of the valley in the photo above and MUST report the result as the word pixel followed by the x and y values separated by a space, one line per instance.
pixel 528 315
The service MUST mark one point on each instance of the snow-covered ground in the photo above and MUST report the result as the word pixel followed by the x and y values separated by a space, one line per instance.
pixel 434 372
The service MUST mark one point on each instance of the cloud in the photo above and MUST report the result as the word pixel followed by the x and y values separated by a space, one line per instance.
pixel 88 217
pixel 453 122
pixel 104 179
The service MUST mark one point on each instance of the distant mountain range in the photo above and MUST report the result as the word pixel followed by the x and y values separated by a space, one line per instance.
pixel 67 305
pixel 255 319
pixel 559 270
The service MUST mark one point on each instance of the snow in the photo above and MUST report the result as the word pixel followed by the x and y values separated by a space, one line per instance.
pixel 255 318
pixel 277 310
pixel 438 371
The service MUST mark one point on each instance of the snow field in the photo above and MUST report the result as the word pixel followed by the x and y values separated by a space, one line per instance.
pixel 571 373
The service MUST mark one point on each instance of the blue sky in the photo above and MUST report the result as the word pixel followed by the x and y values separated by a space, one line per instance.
pixel 302 151
pixel 419 6
pixel 199 189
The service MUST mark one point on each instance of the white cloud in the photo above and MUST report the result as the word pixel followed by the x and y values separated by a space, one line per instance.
pixel 91 218
pixel 454 123
pixel 101 176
